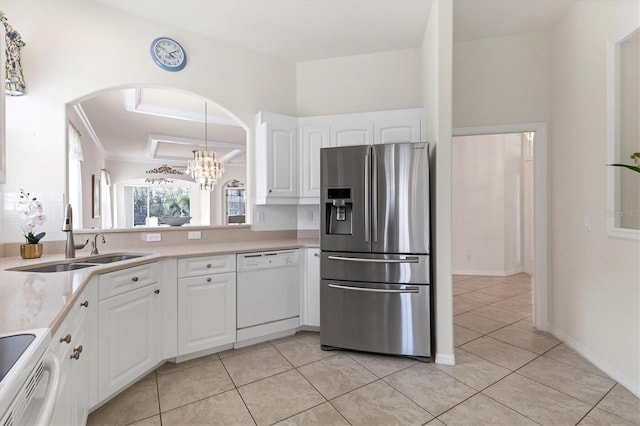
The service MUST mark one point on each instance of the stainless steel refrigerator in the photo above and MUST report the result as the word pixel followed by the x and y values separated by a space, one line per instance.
pixel 375 289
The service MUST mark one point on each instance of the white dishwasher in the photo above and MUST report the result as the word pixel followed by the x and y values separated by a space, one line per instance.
pixel 268 295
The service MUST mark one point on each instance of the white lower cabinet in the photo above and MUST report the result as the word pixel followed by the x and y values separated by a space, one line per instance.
pixel 74 344
pixel 310 294
pixel 129 333
pixel 206 303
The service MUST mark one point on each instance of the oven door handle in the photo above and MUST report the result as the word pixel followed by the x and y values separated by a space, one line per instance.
pixel 408 259
pixel 51 364
pixel 376 290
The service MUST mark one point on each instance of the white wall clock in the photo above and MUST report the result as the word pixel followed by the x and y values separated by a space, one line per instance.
pixel 168 54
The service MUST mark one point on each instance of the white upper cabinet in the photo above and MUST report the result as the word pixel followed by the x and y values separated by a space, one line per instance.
pixel 352 133
pixel 288 148
pixel 397 130
pixel 312 139
pixel 277 161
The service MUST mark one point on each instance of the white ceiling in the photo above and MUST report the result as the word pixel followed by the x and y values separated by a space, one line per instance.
pixel 302 30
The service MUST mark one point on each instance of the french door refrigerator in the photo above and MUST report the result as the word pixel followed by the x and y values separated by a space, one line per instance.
pixel 375 289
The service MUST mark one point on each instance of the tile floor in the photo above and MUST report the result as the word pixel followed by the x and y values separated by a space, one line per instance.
pixel 505 374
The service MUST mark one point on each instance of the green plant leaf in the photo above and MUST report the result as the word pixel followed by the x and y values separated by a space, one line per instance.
pixel 627 166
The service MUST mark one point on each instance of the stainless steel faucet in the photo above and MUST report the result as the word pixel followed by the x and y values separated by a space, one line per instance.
pixel 67 226
pixel 94 243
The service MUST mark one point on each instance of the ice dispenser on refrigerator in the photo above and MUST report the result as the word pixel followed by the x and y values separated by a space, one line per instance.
pixel 339 211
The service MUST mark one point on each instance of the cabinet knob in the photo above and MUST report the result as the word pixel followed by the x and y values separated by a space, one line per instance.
pixel 75 355
pixel 134 279
pixel 208 265
pixel 316 254
pixel 156 291
pixel 78 349
pixel 209 279
pixel 85 304
pixel 66 339
pixel 270 191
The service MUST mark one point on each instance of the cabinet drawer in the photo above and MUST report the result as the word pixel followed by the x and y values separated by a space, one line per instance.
pixel 119 282
pixel 206 265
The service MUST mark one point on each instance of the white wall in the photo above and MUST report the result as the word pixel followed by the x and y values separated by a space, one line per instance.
pixel 373 82
pixel 595 291
pixel 69 53
pixel 486 204
pixel 437 97
pixel 504 80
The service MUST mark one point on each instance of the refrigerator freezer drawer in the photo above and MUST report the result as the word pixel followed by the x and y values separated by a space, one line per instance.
pixel 392 319
pixel 370 267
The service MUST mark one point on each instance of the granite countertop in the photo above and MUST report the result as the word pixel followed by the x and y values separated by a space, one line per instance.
pixel 31 300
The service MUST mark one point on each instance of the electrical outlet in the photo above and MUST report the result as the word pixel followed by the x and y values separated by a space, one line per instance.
pixel 467 257
pixel 153 237
pixel 260 217
pixel 194 235
pixel 310 216
pixel 587 223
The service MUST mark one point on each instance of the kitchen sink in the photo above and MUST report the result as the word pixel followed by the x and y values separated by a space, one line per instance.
pixel 56 267
pixel 71 265
pixel 113 258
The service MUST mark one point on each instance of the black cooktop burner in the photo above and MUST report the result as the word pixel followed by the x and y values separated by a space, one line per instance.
pixel 11 348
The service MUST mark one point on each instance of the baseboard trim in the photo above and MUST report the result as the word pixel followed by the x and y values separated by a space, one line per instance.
pixel 614 373
pixel 445 359
pixel 485 272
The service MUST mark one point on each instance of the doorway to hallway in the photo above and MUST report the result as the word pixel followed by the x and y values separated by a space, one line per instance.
pixel 499 207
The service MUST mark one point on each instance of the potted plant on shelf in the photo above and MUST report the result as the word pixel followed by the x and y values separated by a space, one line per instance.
pixel 32 216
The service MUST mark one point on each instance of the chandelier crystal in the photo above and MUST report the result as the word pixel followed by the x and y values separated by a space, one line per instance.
pixel 205 169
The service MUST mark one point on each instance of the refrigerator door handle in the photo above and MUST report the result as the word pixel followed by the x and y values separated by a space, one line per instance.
pixel 408 259
pixel 376 290
pixel 374 196
pixel 367 177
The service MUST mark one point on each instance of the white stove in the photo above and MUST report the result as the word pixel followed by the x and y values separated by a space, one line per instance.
pixel 27 377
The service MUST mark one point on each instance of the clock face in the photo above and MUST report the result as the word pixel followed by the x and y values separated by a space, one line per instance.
pixel 168 54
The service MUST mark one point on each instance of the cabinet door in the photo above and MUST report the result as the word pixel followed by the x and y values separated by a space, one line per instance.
pixel 206 312
pixel 277 160
pixel 352 133
pixel 313 138
pixel 80 364
pixel 63 413
pixel 397 130
pixel 312 288
pixel 129 337
pixel 76 377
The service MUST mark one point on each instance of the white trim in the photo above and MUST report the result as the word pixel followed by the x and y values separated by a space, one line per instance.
pixel 445 359
pixel 494 273
pixel 613 134
pixel 89 127
pixel 132 104
pixel 614 373
pixel 540 214
pixel 154 140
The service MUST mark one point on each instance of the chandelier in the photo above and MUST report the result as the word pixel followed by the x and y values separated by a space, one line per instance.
pixel 204 167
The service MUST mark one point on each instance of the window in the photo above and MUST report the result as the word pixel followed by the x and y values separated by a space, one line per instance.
pixel 150 201
pixel 235 202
